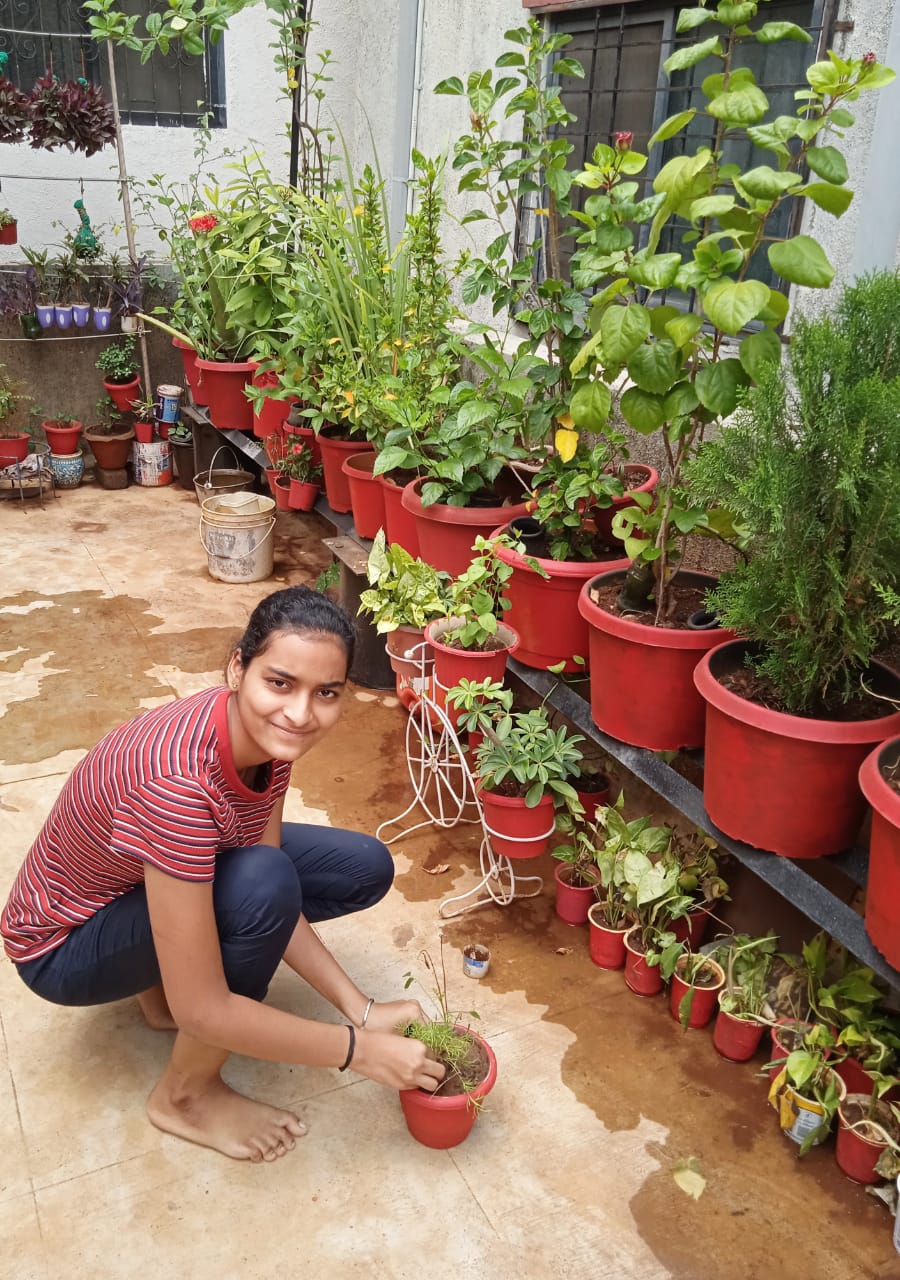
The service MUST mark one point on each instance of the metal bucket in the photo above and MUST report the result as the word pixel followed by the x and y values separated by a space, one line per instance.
pixel 207 484
pixel 236 533
pixel 152 463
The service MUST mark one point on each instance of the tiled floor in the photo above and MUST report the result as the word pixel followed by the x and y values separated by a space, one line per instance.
pixel 106 607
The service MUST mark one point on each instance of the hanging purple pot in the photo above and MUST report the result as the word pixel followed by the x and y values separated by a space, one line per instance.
pixel 80 314
pixel 46 316
pixel 63 317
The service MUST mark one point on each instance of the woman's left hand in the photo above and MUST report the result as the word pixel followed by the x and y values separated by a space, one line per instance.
pixel 391 1014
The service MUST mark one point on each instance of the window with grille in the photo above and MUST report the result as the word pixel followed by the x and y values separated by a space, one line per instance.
pixel 622 48
pixel 175 90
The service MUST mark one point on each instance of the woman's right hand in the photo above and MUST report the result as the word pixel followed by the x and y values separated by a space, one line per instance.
pixel 396 1061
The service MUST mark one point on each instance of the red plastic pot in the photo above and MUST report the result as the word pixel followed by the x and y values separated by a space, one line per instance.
pixel 606 945
pixel 334 451
pixel 223 382
pixel 855 1076
pixel 806 769
pixel 450 665
pixel 281 492
pixel 366 494
pixel 591 801
pixel 9 233
pixel 62 439
pixel 857 1155
pixel 705 999
pixel 143 432
pixel 517 831
pixel 271 413
pixel 446 1122
pixel 446 533
pixel 779 1049
pixel 573 901
pixel 642 686
pixel 302 495
pixel 123 394
pixel 307 435
pixel 412 661
pixel 736 1039
pixel 640 977
pixel 191 372
pixel 647 480
pixel 272 474
pixel 691 928
pixel 883 889
pixel 544 611
pixel 13 449
pixel 399 524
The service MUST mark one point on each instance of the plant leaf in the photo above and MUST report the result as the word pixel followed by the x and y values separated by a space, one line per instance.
pixel 802 261
pixel 731 306
pixel 688 1177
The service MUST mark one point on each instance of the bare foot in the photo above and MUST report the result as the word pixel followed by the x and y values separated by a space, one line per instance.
pixel 155 1009
pixel 226 1121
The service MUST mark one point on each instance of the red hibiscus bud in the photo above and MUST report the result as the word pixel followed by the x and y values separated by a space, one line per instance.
pixel 869 59
pixel 623 140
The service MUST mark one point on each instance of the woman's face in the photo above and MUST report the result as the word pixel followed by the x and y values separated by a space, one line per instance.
pixel 287 699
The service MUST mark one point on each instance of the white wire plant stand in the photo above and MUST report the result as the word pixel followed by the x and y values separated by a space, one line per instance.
pixel 444 790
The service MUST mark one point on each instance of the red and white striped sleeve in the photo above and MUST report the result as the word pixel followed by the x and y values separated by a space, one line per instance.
pixel 169 823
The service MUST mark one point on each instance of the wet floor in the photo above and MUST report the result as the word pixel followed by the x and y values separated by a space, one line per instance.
pixel 106 608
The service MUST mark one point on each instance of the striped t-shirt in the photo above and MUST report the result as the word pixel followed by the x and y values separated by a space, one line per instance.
pixel 162 789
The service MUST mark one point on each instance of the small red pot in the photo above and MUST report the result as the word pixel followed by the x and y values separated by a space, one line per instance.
pixel 13 449
pixel 806 769
pixel 143 432
pixel 399 524
pixel 450 665
pixel 9 233
pixel 692 928
pixel 413 672
pixel 446 1122
pixel 591 801
pixel 282 492
pixel 62 439
pixel 366 494
pixel 446 533
pixel 272 413
pixel 334 451
pixel 779 1048
pixel 606 945
pixel 573 901
pixel 123 394
pixel 303 494
pixel 517 831
pixel 272 474
pixel 307 435
pixel 883 888
pixel 603 516
pixel 857 1155
pixel 736 1039
pixel 641 978
pixel 705 999
pixel 642 688
pixel 223 382
pixel 191 372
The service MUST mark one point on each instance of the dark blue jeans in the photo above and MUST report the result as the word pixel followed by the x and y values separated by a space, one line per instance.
pixel 258 893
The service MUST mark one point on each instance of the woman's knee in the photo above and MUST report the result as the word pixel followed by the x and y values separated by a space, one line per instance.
pixel 379 875
pixel 257 890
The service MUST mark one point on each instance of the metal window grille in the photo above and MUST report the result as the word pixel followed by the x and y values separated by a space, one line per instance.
pixel 622 48
pixel 176 90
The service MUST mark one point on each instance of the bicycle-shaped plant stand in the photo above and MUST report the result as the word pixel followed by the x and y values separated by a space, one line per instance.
pixel 444 788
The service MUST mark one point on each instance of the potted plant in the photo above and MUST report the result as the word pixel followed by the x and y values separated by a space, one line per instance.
pixel 145 425
pixel 121 382
pixel 70 278
pixel 696 981
pixel 445 1118
pixel 811 465
pixel 305 475
pixel 577 876
pixel 879 779
pixel 62 432
pixel 868 1125
pixel 15 115
pixel 181 442
pixel 127 289
pixel 13 440
pixel 110 437
pixel 9 228
pixel 27 295
pixel 741 1021
pixel 806 1092
pixel 699 877
pixel 39 261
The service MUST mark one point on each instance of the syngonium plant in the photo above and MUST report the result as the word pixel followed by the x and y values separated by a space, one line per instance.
pixel 673 371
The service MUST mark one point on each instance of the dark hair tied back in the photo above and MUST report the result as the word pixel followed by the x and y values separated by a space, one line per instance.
pixel 297 609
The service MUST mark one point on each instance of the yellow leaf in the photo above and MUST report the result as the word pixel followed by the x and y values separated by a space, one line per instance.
pixel 566 443
pixel 566 420
pixel 688 1177
pixel 385 270
pixel 349 397
pixel 332 341
pixel 388 396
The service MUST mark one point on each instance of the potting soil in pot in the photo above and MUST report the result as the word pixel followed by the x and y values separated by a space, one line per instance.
pixel 473 1068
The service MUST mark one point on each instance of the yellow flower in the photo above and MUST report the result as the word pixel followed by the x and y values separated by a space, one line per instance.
pixel 385 270
pixel 332 341
pixel 359 211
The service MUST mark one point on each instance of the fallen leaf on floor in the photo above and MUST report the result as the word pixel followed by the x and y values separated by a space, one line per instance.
pixel 563 951
pixel 688 1177
pixel 438 870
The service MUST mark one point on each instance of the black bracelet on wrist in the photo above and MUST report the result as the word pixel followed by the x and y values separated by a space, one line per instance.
pixel 352 1048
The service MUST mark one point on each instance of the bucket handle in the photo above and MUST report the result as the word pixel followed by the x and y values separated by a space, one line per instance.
pixel 262 540
pixel 223 448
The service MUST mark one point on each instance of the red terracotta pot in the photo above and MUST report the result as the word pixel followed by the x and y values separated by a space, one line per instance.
pixel 302 495
pixel 691 928
pixel 806 769
pixel 334 451
pixel 573 901
pixel 366 494
pixel 736 1039
pixel 123 394
pixel 191 372
pixel 143 432
pixel 603 516
pixel 13 449
pixel 857 1155
pixel 412 665
pixel 272 413
pixel 223 382
pixel 779 1049
pixel 883 889
pixel 591 801
pixel 9 233
pixel 399 524
pixel 62 439
pixel 446 533
pixel 640 977
pixel 642 688
pixel 544 611
pixel 446 1122
pixel 606 945
pixel 855 1076
pixel 450 665
pixel 703 1005
pixel 282 493
pixel 517 831
pixel 113 451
